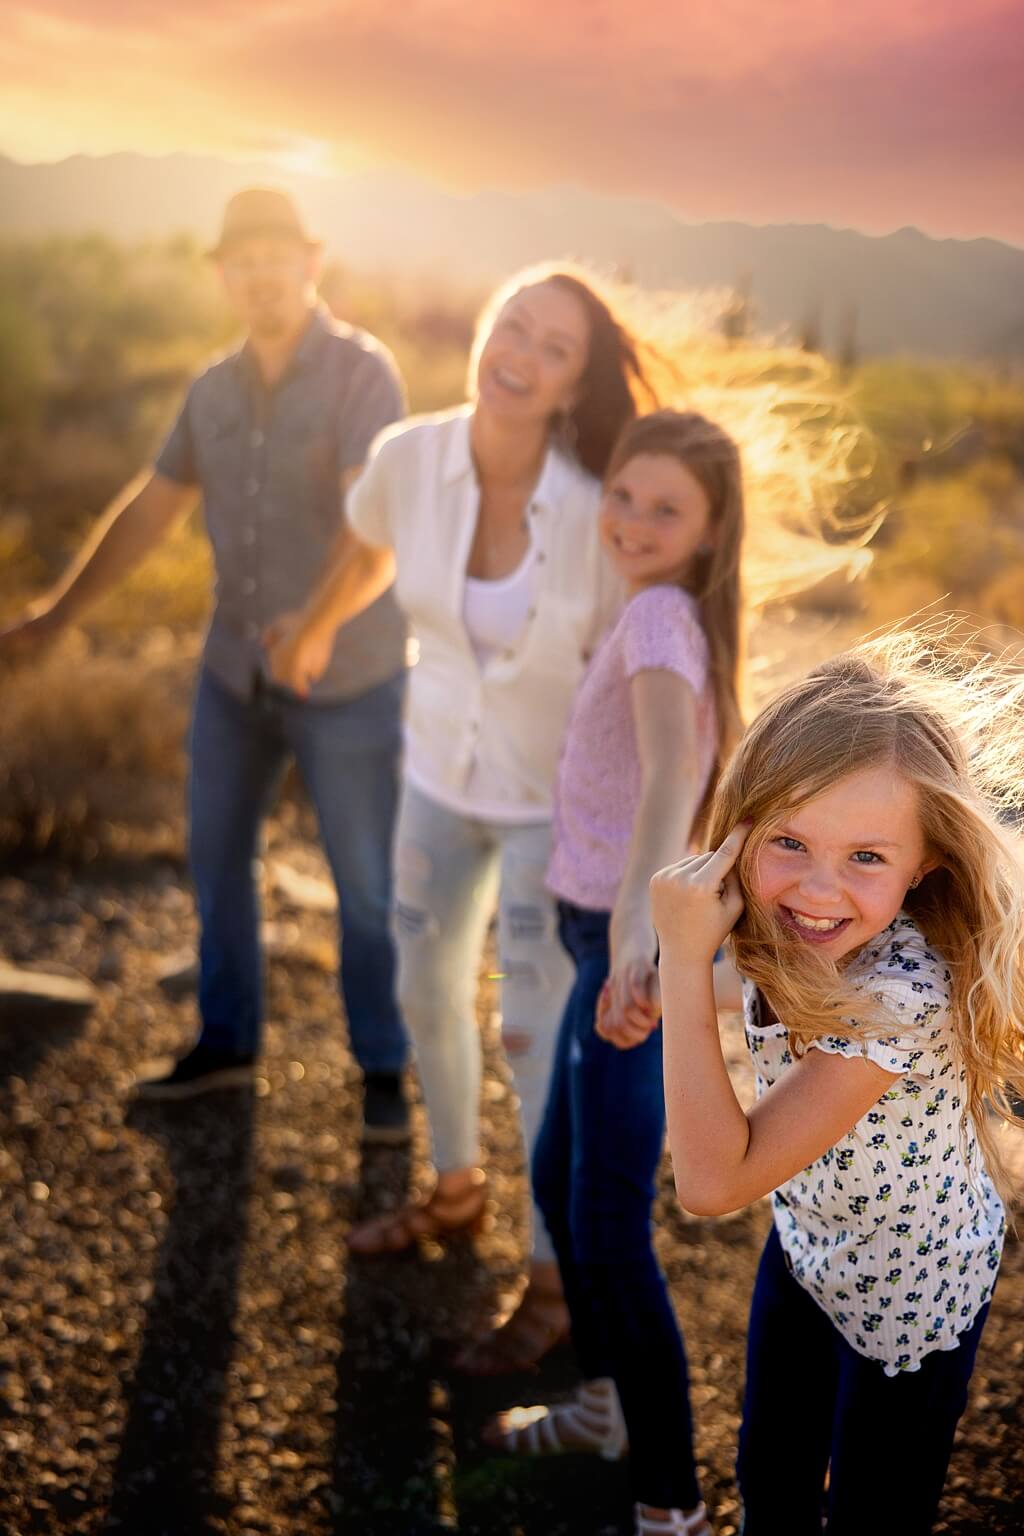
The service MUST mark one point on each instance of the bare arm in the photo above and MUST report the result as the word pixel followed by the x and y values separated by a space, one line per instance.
pixel 133 524
pixel 355 574
pixel 724 1157
pixel 665 721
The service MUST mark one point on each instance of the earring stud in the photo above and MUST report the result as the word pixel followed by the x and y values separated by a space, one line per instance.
pixel 915 882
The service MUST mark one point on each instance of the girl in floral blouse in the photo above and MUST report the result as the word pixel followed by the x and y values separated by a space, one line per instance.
pixel 876 910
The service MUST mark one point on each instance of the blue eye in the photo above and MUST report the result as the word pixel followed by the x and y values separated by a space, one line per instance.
pixel 791 844
pixel 665 509
pixel 865 856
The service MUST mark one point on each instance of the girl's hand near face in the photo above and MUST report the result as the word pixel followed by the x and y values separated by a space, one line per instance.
pixel 696 903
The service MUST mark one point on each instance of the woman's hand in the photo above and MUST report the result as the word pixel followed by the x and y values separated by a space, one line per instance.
pixel 698 902
pixel 297 655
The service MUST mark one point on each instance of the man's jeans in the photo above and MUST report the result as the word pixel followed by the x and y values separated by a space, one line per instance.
pixel 349 757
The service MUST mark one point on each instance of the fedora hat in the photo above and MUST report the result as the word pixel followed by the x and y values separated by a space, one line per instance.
pixel 261 211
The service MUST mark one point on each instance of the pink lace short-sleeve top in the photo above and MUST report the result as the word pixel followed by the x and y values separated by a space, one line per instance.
pixel 597 790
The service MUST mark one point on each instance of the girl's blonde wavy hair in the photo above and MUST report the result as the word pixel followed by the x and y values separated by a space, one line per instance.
pixel 950 721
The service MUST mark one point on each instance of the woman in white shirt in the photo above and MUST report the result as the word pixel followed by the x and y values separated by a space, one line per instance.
pixel 486 519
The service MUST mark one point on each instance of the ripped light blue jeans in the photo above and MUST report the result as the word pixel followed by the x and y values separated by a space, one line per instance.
pixel 450 873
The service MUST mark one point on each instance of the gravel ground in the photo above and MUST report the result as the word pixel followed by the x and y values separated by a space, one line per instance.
pixel 184 1346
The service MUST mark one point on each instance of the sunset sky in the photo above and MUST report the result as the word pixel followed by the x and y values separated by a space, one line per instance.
pixel 877 113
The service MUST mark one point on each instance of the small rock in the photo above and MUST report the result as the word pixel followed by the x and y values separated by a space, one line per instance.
pixel 109 966
pixel 306 892
pixel 179 976
pixel 39 997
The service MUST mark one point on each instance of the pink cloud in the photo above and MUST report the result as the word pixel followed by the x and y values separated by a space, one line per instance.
pixel 880 115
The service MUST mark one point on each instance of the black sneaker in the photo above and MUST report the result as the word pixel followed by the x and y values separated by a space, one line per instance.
pixel 202 1071
pixel 385 1111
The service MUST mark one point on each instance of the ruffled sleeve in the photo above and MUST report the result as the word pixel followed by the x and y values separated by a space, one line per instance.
pixel 913 986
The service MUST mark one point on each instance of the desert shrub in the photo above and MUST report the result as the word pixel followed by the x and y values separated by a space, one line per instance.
pixel 169 590
pixel 21 568
pixel 92 752
pixel 958 540
pixel 428 330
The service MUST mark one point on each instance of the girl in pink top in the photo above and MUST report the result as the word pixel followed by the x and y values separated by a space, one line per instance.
pixel 650 725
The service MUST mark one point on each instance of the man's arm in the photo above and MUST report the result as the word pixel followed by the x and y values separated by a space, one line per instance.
pixel 133 524
pixel 355 574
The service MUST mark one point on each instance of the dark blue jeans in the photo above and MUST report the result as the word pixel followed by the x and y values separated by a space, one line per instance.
pixel 349 757
pixel 594 1170
pixel 813 1403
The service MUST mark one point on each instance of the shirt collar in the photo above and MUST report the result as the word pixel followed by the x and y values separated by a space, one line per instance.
pixel 458 459
pixel 305 354
pixel 458 462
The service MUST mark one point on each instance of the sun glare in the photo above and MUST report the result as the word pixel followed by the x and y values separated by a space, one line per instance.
pixel 313 157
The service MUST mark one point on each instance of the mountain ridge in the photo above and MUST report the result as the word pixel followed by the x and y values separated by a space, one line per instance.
pixel 909 291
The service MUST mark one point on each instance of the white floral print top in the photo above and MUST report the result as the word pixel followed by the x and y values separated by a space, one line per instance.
pixel 897 1231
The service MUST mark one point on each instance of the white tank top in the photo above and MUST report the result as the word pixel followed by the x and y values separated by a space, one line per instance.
pixel 495 612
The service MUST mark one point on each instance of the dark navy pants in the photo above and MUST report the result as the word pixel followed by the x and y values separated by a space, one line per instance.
pixel 813 1404
pixel 349 757
pixel 594 1171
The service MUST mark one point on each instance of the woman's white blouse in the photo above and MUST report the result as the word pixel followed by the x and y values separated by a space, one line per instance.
pixel 499 722
pixel 896 1231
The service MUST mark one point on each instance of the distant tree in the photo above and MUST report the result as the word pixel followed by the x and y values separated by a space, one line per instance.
pixel 737 318
pixel 24 364
pixel 811 328
pixel 848 352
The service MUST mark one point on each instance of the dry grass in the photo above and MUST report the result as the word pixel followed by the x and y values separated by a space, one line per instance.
pixel 92 751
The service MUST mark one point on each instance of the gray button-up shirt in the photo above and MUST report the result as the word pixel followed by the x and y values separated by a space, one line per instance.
pixel 269 463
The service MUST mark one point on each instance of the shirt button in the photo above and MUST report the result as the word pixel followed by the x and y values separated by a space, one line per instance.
pixel 252 487
pixel 248 586
pixel 256 438
pixel 252 631
pixel 248 535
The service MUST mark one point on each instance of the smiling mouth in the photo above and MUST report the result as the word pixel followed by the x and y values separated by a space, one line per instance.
pixel 817 929
pixel 628 546
pixel 510 381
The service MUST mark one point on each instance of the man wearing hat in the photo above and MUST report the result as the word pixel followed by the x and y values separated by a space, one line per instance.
pixel 270 436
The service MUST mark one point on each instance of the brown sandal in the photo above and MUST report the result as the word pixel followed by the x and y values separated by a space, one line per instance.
pixel 440 1218
pixel 540 1321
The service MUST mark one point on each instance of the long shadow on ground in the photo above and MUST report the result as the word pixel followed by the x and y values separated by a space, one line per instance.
pixel 164 1480
pixel 390 1457
pixel 530 1496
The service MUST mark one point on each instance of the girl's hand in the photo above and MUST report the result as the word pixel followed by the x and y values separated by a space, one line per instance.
pixel 698 902
pixel 296 656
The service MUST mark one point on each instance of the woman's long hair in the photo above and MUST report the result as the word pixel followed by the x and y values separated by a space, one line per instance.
pixel 712 457
pixel 802 447
pixel 950 722
pixel 614 383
